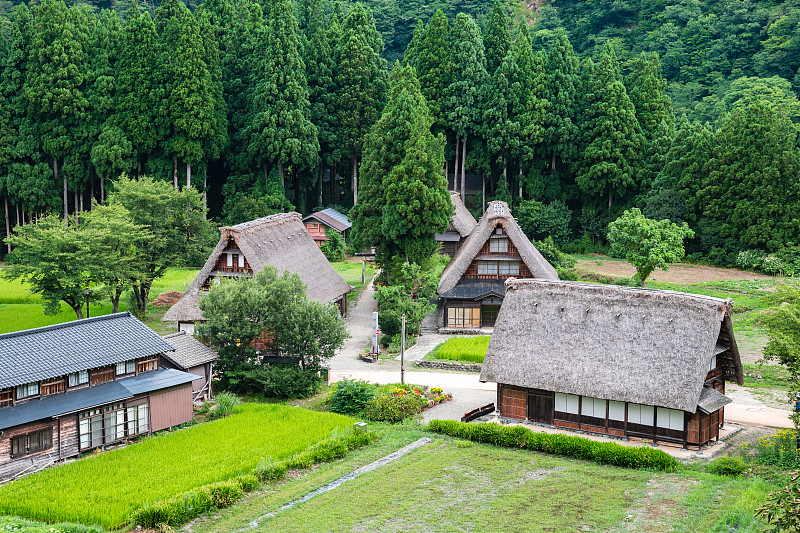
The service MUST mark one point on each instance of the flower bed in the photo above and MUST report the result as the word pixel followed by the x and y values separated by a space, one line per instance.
pixel 396 402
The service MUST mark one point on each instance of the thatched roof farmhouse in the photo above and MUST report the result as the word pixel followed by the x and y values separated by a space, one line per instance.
pixel 245 249
pixel 496 249
pixel 616 360
pixel 461 225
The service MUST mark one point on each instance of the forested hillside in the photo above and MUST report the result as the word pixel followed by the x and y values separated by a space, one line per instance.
pixel 277 105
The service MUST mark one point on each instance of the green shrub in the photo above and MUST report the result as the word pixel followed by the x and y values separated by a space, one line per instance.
pixel 334 248
pixel 225 493
pixel 152 515
pixel 575 447
pixel 390 408
pixel 269 470
pixel 727 466
pixel 554 256
pixel 779 450
pixel 248 482
pixel 350 396
pixel 286 382
pixel 226 403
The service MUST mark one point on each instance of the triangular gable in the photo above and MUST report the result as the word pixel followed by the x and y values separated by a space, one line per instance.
pixel 498 213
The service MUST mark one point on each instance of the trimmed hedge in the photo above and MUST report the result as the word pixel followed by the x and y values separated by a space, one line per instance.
pixel 182 508
pixel 609 453
pixel 324 451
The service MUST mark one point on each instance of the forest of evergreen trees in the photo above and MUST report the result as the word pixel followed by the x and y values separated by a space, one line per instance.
pixel 267 106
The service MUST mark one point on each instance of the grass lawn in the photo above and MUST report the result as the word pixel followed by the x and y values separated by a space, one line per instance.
pixel 104 489
pixel 470 349
pixel 21 309
pixel 452 485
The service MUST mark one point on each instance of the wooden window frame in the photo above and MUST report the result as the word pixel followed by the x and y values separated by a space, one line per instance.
pixel 461 321
pixel 78 381
pixel 27 389
pixel 34 442
pixel 6 397
pixel 146 365
pixel 128 367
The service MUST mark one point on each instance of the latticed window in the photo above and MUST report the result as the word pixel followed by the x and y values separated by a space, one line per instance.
pixel 126 367
pixel 464 317
pixel 498 245
pixel 27 390
pixel 79 378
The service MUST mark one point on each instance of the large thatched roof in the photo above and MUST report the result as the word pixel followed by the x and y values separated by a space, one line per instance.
pixel 618 343
pixel 497 213
pixel 279 240
pixel 463 222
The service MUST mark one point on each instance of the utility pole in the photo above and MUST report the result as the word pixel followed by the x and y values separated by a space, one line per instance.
pixel 403 350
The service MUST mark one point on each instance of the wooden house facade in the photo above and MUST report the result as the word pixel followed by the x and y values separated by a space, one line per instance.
pixel 70 388
pixel 316 224
pixel 472 285
pixel 620 361
pixel 461 225
pixel 245 249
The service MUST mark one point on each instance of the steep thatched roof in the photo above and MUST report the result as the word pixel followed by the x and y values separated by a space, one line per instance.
pixel 279 240
pixel 463 222
pixel 618 343
pixel 497 213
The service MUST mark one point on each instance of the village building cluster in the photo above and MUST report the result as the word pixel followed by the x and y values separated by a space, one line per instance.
pixel 618 361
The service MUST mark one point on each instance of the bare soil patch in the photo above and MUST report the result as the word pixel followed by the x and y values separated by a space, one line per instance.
pixel 168 298
pixel 677 273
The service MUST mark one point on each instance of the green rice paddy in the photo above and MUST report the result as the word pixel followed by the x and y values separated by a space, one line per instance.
pixel 463 349
pixel 106 488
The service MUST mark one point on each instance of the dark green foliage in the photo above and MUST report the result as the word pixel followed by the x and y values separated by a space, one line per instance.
pixel 407 294
pixel 539 220
pixel 554 256
pixel 274 381
pixel 665 204
pixel 613 138
pixel 727 466
pixel 392 407
pixel 333 248
pixel 753 159
pixel 781 511
pixel 350 396
pixel 609 453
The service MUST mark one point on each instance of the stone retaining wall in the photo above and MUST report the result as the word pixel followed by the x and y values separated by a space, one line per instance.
pixel 449 365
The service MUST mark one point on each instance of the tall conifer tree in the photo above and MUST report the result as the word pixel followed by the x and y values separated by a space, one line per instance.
pixel 55 82
pixel 467 86
pixel 497 41
pixel 362 82
pixel 561 131
pixel 281 130
pixel 613 137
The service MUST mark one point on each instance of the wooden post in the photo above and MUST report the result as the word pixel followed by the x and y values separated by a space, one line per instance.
pixel 608 407
pixel 700 432
pixel 402 350
pixel 363 271
pixel 625 424
pixel 580 411
pixel 655 418
pixel 685 430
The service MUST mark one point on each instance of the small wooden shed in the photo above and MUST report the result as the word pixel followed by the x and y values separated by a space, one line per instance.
pixel 194 357
pixel 316 223
pixel 620 361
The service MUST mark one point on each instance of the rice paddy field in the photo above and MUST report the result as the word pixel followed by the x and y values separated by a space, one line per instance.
pixel 104 489
pixel 464 349
pixel 21 309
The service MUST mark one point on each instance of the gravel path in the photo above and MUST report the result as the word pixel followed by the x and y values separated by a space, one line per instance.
pixel 359 325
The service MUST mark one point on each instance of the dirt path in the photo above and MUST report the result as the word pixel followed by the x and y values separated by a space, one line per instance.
pixel 359 325
pixel 677 273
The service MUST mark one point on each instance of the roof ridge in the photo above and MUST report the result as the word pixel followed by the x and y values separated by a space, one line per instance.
pixel 171 335
pixel 519 282
pixel 63 325
pixel 277 217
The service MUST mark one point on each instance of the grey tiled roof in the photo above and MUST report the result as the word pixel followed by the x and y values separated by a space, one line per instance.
pixel 89 397
pixel 474 289
pixel 52 351
pixel 189 351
